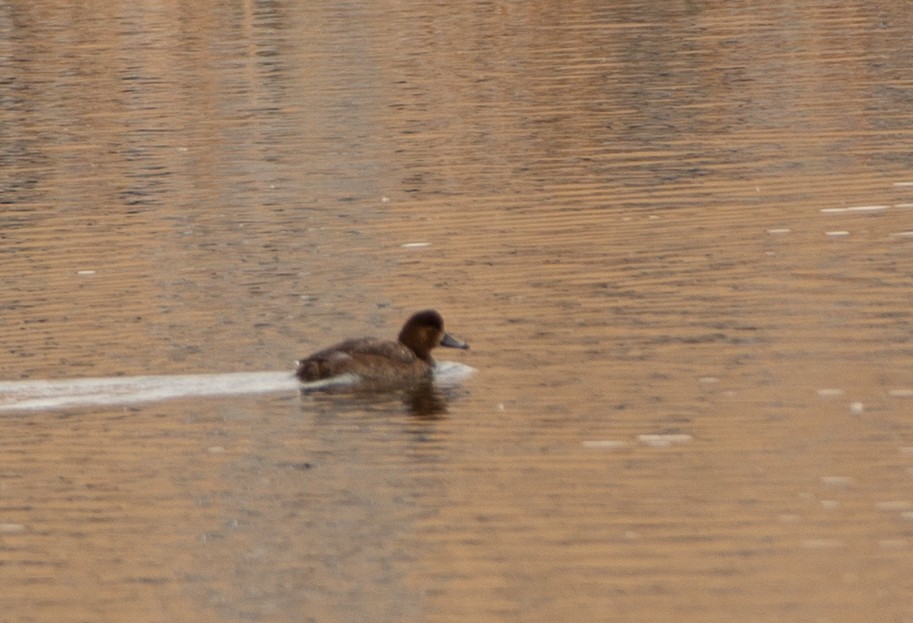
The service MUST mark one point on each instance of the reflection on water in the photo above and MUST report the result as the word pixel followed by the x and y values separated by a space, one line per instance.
pixel 427 397
pixel 677 236
pixel 424 399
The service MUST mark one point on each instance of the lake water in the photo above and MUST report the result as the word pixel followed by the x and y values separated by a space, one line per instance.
pixel 678 236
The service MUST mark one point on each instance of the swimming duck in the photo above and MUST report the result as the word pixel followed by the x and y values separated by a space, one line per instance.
pixel 377 361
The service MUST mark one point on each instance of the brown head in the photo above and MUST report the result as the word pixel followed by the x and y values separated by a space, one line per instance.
pixel 425 331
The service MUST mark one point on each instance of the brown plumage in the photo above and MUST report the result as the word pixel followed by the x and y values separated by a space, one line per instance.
pixel 382 361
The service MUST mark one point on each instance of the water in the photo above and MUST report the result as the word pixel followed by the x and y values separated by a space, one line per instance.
pixel 128 390
pixel 677 236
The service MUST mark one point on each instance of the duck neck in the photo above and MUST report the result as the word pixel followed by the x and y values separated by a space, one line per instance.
pixel 416 346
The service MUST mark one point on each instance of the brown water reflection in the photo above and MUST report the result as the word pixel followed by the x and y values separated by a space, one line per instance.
pixel 678 237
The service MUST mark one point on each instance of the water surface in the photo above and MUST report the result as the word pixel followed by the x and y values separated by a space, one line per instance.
pixel 678 237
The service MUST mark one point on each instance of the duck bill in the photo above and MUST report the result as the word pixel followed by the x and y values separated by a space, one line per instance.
pixel 451 342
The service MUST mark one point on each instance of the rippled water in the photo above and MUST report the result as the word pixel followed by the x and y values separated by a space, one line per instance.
pixel 678 237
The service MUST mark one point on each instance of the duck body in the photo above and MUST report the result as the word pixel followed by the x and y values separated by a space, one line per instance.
pixel 369 360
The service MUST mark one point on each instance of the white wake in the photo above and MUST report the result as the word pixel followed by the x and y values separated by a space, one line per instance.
pixel 123 390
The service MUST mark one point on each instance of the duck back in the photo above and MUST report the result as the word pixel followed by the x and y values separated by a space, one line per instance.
pixel 369 358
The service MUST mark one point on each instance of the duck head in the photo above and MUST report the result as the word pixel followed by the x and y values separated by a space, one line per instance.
pixel 425 331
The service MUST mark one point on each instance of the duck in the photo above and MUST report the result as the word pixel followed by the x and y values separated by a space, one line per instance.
pixel 374 361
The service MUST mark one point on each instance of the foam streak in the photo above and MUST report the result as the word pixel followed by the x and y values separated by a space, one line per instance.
pixel 58 394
